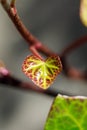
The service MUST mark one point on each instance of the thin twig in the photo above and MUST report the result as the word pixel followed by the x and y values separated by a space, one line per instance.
pixel 71 47
pixel 7 79
pixel 69 70
pixel 12 13
pixel 34 44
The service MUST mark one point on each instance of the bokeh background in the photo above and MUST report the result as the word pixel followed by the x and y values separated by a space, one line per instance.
pixel 57 24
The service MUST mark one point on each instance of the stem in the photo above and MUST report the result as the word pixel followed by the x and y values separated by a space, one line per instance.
pixel 10 81
pixel 32 41
pixel 18 24
pixel 12 13
pixel 69 70
pixel 34 51
pixel 74 45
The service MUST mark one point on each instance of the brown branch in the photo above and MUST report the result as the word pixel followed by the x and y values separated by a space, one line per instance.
pixel 69 70
pixel 32 41
pixel 81 41
pixel 12 13
pixel 7 79
pixel 18 23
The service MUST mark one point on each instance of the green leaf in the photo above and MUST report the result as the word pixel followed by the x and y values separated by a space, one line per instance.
pixel 41 72
pixel 67 113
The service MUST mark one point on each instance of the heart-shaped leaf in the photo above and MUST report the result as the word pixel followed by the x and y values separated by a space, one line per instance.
pixel 41 72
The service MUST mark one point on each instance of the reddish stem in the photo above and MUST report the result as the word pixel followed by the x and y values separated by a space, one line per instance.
pixel 74 45
pixel 12 13
pixel 8 79
pixel 32 41
pixel 69 70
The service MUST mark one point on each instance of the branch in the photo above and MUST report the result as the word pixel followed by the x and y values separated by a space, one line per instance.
pixel 69 70
pixel 7 79
pixel 81 41
pixel 33 42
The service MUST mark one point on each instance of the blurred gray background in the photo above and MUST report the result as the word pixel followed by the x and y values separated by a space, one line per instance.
pixel 57 24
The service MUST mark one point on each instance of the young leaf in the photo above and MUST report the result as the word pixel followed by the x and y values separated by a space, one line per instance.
pixel 67 113
pixel 41 72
